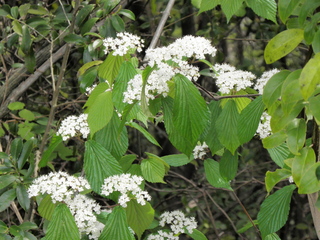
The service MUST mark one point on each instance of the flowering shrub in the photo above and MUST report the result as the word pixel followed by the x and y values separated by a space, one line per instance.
pixel 111 199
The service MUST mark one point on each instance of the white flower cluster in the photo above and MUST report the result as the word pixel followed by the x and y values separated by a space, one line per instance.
pixel 178 221
pixel 161 235
pixel 291 179
pixel 73 125
pixel 262 81
pixel 229 78
pixel 129 187
pixel 65 188
pixel 90 89
pixel 169 61
pixel 264 129
pixel 200 150
pixel 123 43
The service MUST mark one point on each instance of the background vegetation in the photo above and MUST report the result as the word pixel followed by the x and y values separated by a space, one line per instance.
pixel 36 52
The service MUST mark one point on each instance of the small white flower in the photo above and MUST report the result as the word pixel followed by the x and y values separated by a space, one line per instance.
pixel 228 78
pixel 262 81
pixel 264 128
pixel 200 150
pixel 90 89
pixel 73 125
pixel 123 43
pixel 161 235
pixel 290 179
pixel 128 185
pixel 65 188
pixel 169 61
pixel 178 221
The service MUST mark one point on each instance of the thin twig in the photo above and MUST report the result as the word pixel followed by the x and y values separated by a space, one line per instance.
pixel 224 213
pixel 160 27
pixel 58 84
pixel 246 212
pixel 16 211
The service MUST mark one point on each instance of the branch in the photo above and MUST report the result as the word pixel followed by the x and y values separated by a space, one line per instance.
pixel 161 24
pixel 18 91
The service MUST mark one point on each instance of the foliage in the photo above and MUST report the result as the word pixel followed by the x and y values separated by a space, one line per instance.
pixel 123 97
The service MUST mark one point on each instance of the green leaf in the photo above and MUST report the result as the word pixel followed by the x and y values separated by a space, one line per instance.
pixel 117 23
pixel 23 197
pixel 272 178
pixel 247 226
pixel 139 217
pixel 296 135
pixel 177 160
pixel 309 78
pixel 282 44
pixel 264 8
pixel 190 115
pixel 16 106
pixel 23 9
pixel 100 113
pixel 26 41
pixel 211 138
pixel 308 7
pixel 196 235
pixel 110 139
pixel 272 236
pixel 228 165
pixel 208 5
pixel 249 120
pixel 38 10
pixel 6 198
pixel 227 128
pixel 6 180
pixel 4 10
pixel 274 139
pixel 46 207
pixel 27 115
pixel 129 14
pixel 30 61
pixel 16 26
pixel 286 8
pixel 54 143
pixel 304 171
pixel 25 153
pixel 279 153
pixel 28 225
pixel 87 26
pixel 153 169
pixel 109 69
pixel 88 65
pixel 290 92
pixel 126 161
pixel 83 14
pixel 88 78
pixel 126 73
pixel 100 88
pixel 16 148
pixel 74 39
pixel 229 8
pixel 272 89
pixel 99 164
pixel 62 226
pixel 274 210
pixel 316 42
pixel 117 227
pixel 212 170
pixel 279 120
pixel 314 107
pixel 144 132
